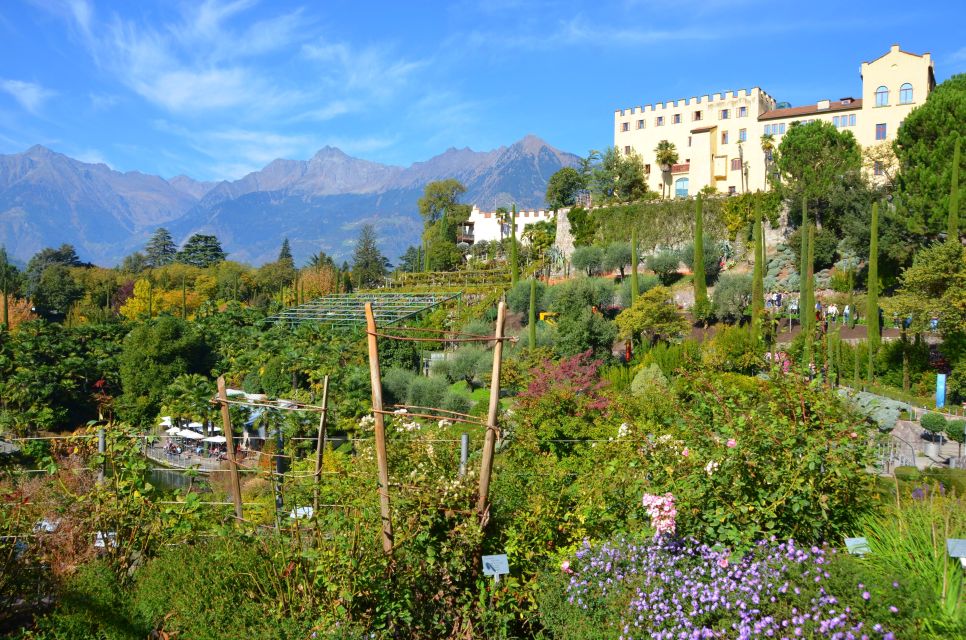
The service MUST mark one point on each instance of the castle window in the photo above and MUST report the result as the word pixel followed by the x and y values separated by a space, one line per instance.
pixel 877 168
pixel 640 124
pixel 681 188
pixel 882 96
pixel 659 122
pixel 724 137
pixel 736 164
pixel 880 131
pixel 677 118
pixel 725 114
pixel 627 150
pixel 742 112
pixel 742 135
pixel 697 115
pixel 905 94
pixel 625 126
pixel 852 120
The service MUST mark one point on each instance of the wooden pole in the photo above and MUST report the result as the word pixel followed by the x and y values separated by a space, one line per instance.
pixel 381 460
pixel 230 445
pixel 320 444
pixel 489 442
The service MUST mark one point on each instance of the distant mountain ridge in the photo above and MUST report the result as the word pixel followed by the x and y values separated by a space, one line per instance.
pixel 47 198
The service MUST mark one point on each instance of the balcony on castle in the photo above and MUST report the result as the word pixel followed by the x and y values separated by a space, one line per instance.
pixel 681 168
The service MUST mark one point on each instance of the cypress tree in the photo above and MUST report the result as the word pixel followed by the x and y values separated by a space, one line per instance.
pixel 532 319
pixel 872 308
pixel 802 259
pixel 285 253
pixel 808 323
pixel 757 281
pixel 6 311
pixel 700 286
pixel 514 260
pixel 634 261
pixel 953 223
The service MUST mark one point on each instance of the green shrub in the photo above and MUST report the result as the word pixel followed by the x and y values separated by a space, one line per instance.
pixel 588 259
pixel 907 473
pixel 518 301
pixel 731 297
pixel 395 384
pixel 220 589
pixel 713 254
pixel 94 605
pixel 826 247
pixel 734 349
pixel 574 296
pixel 933 422
pixel 649 379
pixel 645 282
pixel 956 430
pixel 665 264
pixel 455 401
pixel 427 392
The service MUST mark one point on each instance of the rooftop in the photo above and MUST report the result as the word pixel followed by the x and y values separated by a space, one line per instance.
pixel 847 104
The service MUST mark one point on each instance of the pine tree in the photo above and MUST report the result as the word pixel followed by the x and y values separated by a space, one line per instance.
pixel 202 251
pixel 369 266
pixel 635 259
pixel 160 249
pixel 700 284
pixel 532 316
pixel 952 231
pixel 514 259
pixel 757 281
pixel 872 309
pixel 285 254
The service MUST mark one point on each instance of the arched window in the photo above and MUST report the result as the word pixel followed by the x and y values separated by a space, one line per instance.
pixel 905 94
pixel 681 188
pixel 882 97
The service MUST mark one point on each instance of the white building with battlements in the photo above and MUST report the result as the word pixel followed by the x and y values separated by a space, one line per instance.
pixel 489 225
pixel 718 137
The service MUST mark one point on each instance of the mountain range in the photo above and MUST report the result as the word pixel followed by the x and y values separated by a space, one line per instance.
pixel 47 198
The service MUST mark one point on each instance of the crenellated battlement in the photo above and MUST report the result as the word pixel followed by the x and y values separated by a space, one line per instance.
pixel 706 99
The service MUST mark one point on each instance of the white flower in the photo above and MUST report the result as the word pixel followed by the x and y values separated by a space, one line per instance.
pixel 400 411
pixel 624 430
pixel 445 423
pixel 711 467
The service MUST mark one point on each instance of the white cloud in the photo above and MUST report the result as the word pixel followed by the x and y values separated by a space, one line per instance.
pixel 92 156
pixel 30 95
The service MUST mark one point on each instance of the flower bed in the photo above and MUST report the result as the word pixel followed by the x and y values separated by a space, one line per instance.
pixel 679 588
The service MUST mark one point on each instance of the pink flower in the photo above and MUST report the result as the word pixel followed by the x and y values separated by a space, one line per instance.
pixel 686 452
pixel 853 435
pixel 565 566
pixel 732 443
pixel 723 563
pixel 662 512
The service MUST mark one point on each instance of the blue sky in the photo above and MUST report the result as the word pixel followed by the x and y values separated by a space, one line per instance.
pixel 220 88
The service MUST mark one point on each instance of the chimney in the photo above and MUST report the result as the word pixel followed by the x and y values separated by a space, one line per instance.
pixel 823 104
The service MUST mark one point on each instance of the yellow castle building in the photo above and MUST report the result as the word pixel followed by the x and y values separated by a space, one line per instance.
pixel 718 137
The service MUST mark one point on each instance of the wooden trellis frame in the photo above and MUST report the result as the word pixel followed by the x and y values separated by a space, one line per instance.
pixel 378 412
pixel 224 401
pixel 348 309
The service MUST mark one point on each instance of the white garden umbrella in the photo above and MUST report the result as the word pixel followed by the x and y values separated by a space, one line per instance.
pixel 218 439
pixel 191 435
pixel 165 421
pixel 196 425
pixel 173 431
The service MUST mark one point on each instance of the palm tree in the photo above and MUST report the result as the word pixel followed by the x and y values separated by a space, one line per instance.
pixel 188 397
pixel 768 148
pixel 666 155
